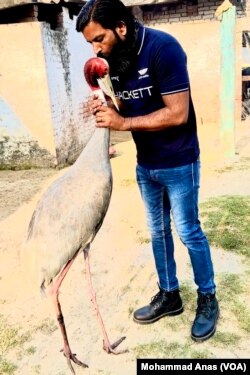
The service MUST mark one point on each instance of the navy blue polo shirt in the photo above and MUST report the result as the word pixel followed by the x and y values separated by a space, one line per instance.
pixel 160 69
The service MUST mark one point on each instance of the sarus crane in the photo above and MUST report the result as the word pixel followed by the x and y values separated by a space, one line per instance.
pixel 70 213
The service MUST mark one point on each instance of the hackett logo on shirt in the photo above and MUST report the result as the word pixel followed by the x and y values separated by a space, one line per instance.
pixel 135 94
pixel 142 73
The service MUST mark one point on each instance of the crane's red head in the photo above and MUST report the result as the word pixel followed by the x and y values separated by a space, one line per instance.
pixel 95 68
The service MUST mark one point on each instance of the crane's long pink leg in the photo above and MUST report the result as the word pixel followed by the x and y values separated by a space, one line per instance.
pixel 106 343
pixel 54 293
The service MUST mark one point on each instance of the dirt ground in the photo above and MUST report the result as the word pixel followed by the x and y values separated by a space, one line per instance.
pixel 122 267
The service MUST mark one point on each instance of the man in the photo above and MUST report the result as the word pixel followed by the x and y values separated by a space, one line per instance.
pixel 148 69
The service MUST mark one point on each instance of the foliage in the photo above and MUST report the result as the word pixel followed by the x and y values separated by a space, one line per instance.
pixel 227 223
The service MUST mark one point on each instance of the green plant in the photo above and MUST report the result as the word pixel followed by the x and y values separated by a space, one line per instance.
pixel 227 223
pixel 143 237
pixel 46 326
pixel 128 182
pixel 230 290
pixel 7 367
pixel 31 350
pixel 164 349
pixel 230 285
pixel 10 336
pixel 242 314
pixel 141 240
pixel 226 339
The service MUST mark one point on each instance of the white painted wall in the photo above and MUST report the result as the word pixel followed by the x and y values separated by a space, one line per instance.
pixel 65 53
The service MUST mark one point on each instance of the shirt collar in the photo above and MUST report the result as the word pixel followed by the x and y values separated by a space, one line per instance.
pixel 140 38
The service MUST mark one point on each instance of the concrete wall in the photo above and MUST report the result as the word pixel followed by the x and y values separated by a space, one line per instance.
pixel 42 85
pixel 24 89
pixel 202 45
pixel 65 53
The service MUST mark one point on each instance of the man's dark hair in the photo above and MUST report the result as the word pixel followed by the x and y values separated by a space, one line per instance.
pixel 108 13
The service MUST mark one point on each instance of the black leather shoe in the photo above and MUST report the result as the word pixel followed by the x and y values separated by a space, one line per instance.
pixel 206 317
pixel 162 304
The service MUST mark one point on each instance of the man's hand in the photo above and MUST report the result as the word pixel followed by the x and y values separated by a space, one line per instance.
pixel 95 104
pixel 108 118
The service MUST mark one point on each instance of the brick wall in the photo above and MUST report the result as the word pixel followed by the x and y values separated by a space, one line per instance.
pixel 186 12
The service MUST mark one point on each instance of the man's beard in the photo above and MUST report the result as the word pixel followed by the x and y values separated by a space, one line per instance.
pixel 121 58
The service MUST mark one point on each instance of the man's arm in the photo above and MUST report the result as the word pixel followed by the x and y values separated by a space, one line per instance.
pixel 174 113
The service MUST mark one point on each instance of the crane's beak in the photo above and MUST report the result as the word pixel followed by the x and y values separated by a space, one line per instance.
pixel 106 86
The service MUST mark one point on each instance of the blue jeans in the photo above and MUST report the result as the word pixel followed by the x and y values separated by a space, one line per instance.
pixel 175 190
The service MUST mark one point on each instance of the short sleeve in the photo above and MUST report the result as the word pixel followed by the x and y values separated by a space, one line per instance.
pixel 170 68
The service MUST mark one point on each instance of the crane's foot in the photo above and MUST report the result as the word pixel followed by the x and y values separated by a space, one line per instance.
pixel 111 348
pixel 72 357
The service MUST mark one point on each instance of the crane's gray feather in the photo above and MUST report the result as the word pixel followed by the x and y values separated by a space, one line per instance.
pixel 71 211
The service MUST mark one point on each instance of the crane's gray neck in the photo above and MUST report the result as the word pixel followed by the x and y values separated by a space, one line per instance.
pixel 97 149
